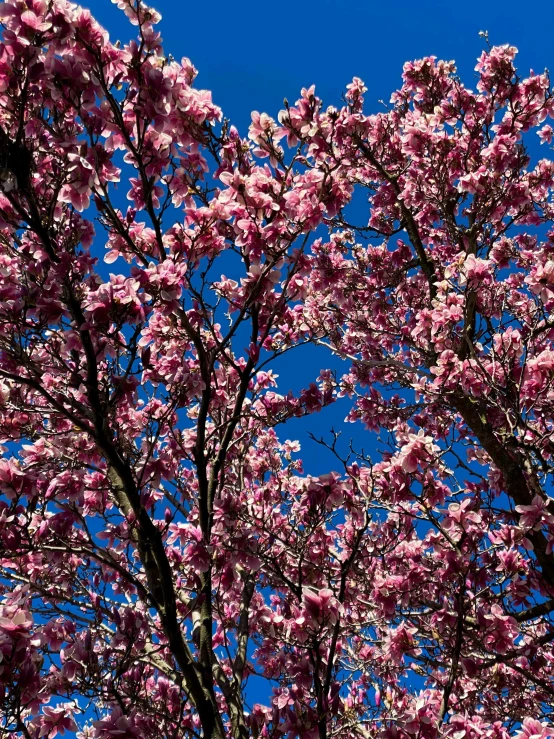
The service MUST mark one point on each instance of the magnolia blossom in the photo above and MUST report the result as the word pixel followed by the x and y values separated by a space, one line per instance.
pixel 164 557
pixel 418 449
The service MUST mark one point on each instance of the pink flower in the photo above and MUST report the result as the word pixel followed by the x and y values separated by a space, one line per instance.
pixel 261 128
pixel 321 605
pixel 533 729
pixel 545 134
pixel 535 515
pixel 17 624
pixel 417 450
pixel 54 721
pixel 475 271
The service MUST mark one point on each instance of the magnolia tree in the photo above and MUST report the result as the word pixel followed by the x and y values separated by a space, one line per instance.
pixel 166 567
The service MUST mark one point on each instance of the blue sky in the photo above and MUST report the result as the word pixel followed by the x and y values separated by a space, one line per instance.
pixel 253 54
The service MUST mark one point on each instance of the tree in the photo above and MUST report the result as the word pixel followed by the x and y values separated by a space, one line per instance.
pixel 161 549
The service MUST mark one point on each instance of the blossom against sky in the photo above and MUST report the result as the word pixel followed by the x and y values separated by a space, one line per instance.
pixel 251 55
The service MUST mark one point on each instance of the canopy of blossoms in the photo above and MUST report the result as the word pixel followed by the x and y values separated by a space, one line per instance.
pixel 162 552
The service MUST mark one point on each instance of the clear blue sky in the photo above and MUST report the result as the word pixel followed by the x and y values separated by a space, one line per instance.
pixel 253 54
